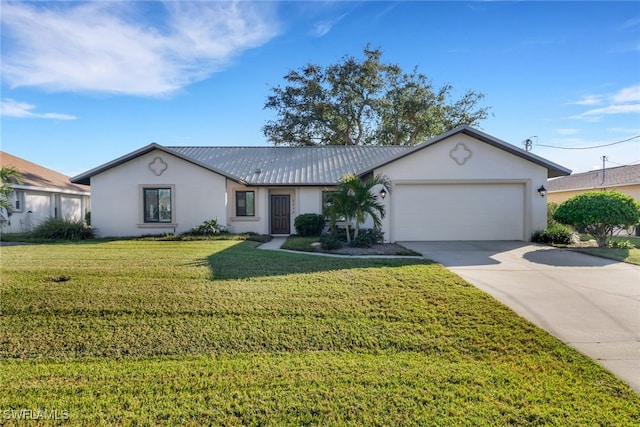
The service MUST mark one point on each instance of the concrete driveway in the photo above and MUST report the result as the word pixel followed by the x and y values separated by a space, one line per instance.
pixel 590 303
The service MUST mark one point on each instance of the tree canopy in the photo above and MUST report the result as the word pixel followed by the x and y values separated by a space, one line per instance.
pixel 599 213
pixel 360 102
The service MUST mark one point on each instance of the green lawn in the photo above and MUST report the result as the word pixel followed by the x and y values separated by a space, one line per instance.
pixel 221 333
pixel 631 256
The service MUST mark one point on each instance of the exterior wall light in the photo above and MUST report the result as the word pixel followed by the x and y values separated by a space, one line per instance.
pixel 383 193
pixel 542 191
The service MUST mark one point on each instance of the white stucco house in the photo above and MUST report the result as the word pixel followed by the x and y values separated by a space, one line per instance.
pixel 461 185
pixel 42 194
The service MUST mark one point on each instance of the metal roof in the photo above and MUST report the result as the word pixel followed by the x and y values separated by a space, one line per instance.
pixel 595 179
pixel 322 165
pixel 289 165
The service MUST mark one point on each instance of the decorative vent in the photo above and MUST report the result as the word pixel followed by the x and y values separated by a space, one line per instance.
pixel 460 154
pixel 158 166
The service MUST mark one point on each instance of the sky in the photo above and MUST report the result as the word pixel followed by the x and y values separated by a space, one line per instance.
pixel 83 83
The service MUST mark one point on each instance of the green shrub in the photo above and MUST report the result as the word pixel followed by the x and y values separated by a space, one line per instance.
pixel 556 234
pixel 367 237
pixel 309 224
pixel 63 229
pixel 599 214
pixel 621 244
pixel 207 228
pixel 552 207
pixel 329 242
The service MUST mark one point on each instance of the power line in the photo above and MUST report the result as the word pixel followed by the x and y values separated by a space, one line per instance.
pixel 589 148
pixel 623 164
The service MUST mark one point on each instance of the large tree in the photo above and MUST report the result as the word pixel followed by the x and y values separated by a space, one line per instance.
pixel 365 102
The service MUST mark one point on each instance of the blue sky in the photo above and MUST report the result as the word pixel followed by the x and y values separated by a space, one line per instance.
pixel 86 82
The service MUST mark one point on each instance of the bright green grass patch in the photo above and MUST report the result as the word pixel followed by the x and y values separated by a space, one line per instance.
pixel 297 243
pixel 631 256
pixel 321 388
pixel 218 332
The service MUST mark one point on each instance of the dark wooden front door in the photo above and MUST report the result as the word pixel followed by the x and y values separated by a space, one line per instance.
pixel 280 214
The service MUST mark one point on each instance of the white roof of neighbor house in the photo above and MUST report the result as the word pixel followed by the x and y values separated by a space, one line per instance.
pixel 319 165
pixel 289 165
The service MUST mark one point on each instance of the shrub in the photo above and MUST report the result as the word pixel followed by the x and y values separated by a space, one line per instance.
pixel 367 237
pixel 207 228
pixel 552 207
pixel 599 213
pixel 621 244
pixel 556 234
pixel 309 224
pixel 63 229
pixel 329 242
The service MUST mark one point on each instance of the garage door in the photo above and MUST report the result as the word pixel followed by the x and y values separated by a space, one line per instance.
pixel 458 212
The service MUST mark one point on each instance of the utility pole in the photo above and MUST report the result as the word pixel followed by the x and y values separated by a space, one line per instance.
pixel 604 159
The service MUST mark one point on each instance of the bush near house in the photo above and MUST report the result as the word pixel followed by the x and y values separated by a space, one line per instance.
pixel 555 234
pixel 309 224
pixel 63 229
pixel 207 228
pixel 599 214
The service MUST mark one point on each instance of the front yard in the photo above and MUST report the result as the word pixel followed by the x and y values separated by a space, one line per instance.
pixel 221 333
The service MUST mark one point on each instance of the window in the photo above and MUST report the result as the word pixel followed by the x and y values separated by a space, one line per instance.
pixel 157 205
pixel 18 201
pixel 245 203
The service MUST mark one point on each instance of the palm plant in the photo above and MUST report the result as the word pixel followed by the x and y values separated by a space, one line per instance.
pixel 8 177
pixel 354 201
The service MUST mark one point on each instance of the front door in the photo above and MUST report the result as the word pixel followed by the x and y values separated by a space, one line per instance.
pixel 280 214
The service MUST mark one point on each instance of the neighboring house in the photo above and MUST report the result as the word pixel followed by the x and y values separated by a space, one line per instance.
pixel 462 185
pixel 625 179
pixel 42 194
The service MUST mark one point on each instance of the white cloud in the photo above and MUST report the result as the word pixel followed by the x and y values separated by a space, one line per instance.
pixel 611 109
pixel 628 94
pixel 625 101
pixel 322 28
pixel 13 108
pixel 568 131
pixel 589 100
pixel 111 47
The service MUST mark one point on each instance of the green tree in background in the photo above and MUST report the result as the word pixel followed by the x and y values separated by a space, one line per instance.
pixel 360 102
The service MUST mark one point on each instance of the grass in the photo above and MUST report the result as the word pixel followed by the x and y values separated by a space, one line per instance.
pixel 305 244
pixel 631 256
pixel 297 243
pixel 220 333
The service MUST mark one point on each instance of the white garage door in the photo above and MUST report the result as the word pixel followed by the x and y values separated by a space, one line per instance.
pixel 458 212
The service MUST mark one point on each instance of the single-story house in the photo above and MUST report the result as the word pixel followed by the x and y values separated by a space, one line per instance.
pixel 42 194
pixel 624 179
pixel 461 185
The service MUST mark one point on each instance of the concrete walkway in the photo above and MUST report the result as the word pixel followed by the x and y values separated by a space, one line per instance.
pixel 590 303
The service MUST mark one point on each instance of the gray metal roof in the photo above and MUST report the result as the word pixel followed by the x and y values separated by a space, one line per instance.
pixel 305 165
pixel 595 179
pixel 288 165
